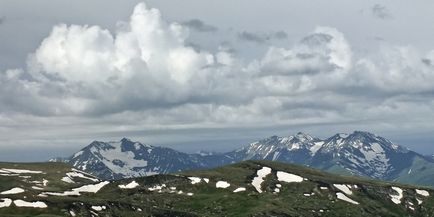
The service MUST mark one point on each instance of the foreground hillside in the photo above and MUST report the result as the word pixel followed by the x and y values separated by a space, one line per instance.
pixel 252 188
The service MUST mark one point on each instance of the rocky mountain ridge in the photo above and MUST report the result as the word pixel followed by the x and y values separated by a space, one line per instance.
pixel 359 153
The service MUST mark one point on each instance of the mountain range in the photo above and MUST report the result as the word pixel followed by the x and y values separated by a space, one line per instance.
pixel 359 153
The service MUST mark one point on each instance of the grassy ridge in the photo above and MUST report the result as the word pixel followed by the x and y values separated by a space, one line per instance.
pixel 206 200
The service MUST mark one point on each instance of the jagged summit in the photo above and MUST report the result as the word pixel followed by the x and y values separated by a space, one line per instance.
pixel 125 140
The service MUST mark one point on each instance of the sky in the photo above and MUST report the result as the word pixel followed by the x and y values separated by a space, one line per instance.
pixel 212 75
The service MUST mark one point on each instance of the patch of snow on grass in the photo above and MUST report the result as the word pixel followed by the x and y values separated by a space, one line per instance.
pixel 222 184
pixel 81 175
pixel 157 187
pixel 37 204
pixel 343 188
pixel 206 180
pixel 67 180
pixel 190 194
pixel 13 191
pixel 195 180
pixel 72 213
pixel 92 188
pixel 20 171
pixel 130 185
pixel 288 177
pixel 240 189
pixel 8 174
pixel 261 174
pixel 397 198
pixel 343 197
pixel 5 202
pixel 98 208
pixel 37 188
pixel 422 192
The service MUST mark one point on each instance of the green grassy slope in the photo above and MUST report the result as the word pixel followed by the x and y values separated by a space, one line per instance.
pixel 175 195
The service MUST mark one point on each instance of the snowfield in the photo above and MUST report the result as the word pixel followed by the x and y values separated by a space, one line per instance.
pixel 343 188
pixel 79 174
pixel 13 191
pixel 157 187
pixel 222 184
pixel 195 180
pixel 422 192
pixel 115 153
pixel 130 185
pixel 20 171
pixel 288 177
pixel 261 174
pixel 37 204
pixel 397 198
pixel 5 202
pixel 98 208
pixel 343 197
pixel 240 189
pixel 92 188
pixel 67 180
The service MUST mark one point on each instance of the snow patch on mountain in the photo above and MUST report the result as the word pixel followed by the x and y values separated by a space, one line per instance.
pixel 422 192
pixel 261 174
pixel 344 197
pixel 343 188
pixel 91 188
pixel 114 154
pixel 5 202
pixel 397 198
pixel 130 185
pixel 194 180
pixel 288 177
pixel 240 189
pixel 15 190
pixel 20 171
pixel 36 204
pixel 222 184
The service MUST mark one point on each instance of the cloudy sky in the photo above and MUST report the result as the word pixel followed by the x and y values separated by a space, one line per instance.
pixel 212 75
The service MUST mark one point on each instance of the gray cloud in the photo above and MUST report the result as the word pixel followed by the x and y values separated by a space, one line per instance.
pixel 281 35
pixel 2 20
pixel 253 37
pixel 262 37
pixel 199 26
pixel 380 11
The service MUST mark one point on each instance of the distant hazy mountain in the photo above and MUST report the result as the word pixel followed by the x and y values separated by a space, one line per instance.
pixel 358 153
pixel 123 159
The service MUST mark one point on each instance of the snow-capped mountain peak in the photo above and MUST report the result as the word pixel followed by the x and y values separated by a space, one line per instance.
pixel 360 153
pixel 303 137
pixel 127 158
